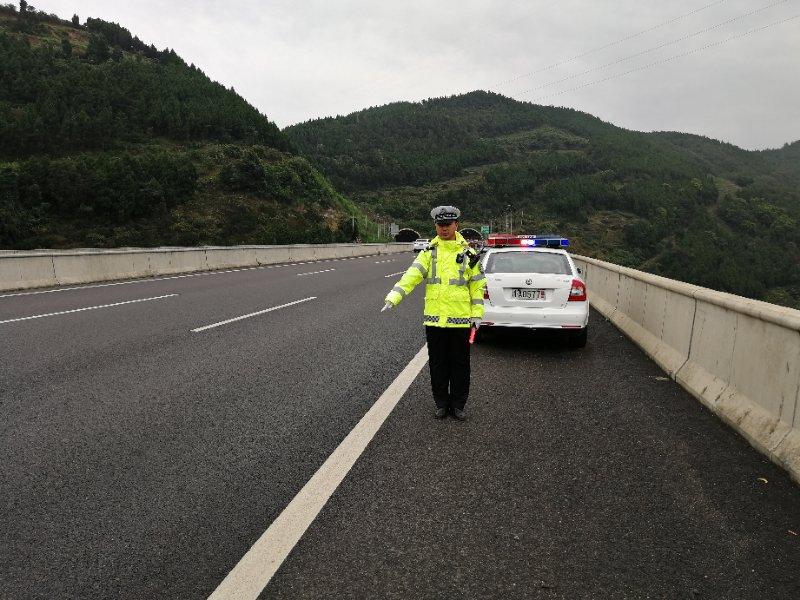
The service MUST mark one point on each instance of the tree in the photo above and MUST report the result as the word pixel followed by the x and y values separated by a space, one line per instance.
pixel 66 47
pixel 97 51
pixel 76 20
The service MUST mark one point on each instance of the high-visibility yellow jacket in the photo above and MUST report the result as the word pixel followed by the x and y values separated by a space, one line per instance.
pixel 453 291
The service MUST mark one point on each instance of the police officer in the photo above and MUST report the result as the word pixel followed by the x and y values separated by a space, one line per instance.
pixel 454 285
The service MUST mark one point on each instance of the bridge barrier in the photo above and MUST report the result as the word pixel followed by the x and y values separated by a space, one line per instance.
pixel 273 255
pixel 21 270
pixel 96 266
pixel 228 258
pixel 306 252
pixel 35 271
pixel 171 262
pixel 739 357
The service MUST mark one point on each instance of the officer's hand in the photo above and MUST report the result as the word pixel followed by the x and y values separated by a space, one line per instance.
pixel 476 322
pixel 387 306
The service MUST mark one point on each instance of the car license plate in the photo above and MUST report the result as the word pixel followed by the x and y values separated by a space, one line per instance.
pixel 523 294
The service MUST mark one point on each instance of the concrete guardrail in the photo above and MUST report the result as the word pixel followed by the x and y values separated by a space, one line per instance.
pixel 739 357
pixel 20 270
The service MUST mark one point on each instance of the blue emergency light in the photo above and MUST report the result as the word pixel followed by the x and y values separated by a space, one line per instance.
pixel 554 242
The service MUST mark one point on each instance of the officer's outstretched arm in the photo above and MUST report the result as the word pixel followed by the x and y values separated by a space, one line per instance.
pixel 476 283
pixel 415 274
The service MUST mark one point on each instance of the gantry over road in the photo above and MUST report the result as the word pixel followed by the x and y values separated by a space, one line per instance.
pixel 150 437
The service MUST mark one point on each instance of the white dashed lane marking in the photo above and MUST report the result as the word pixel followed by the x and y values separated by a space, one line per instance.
pixel 315 272
pixel 253 314
pixel 75 310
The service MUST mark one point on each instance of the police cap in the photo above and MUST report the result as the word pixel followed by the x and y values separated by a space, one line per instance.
pixel 445 214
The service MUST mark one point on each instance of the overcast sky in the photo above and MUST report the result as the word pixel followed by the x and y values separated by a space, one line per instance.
pixel 301 59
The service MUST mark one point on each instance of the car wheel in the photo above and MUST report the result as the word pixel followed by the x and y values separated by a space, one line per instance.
pixel 579 340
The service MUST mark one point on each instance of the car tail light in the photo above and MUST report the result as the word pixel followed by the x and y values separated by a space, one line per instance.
pixel 486 293
pixel 577 292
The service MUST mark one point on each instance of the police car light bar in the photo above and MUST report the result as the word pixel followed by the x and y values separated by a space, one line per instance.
pixel 499 240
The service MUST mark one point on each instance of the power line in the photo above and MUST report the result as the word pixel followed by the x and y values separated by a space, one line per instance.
pixel 654 48
pixel 671 58
pixel 610 44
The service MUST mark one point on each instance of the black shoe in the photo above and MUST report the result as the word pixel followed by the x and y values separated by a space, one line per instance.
pixel 458 414
pixel 440 413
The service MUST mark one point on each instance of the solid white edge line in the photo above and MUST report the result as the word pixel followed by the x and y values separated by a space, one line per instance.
pixel 255 314
pixel 252 573
pixel 74 310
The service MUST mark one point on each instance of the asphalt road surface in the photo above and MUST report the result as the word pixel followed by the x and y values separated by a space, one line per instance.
pixel 142 455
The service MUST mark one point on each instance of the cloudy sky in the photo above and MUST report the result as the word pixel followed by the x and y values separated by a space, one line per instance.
pixel 727 69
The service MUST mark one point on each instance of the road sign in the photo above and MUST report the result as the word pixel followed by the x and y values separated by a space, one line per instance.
pixel 484 230
pixel 394 229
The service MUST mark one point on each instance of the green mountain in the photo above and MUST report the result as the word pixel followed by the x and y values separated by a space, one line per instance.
pixel 674 204
pixel 106 141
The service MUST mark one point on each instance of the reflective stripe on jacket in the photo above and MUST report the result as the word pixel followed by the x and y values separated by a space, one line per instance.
pixel 453 291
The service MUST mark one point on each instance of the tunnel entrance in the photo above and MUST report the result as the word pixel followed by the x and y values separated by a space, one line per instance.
pixel 471 234
pixel 406 235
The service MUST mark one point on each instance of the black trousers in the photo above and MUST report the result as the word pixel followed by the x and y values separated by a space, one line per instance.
pixel 448 357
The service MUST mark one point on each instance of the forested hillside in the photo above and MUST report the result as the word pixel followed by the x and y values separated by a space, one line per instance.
pixel 674 204
pixel 106 141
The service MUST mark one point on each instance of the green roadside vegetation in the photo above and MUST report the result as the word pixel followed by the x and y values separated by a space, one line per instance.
pixel 106 141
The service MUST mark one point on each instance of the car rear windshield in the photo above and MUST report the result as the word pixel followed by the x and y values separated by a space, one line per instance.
pixel 528 262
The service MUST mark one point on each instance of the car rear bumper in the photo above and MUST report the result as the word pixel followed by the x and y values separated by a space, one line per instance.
pixel 573 316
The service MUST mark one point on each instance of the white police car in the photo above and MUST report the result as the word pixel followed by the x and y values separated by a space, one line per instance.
pixel 420 244
pixel 531 282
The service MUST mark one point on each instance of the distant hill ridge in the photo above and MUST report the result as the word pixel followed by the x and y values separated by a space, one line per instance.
pixel 676 204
